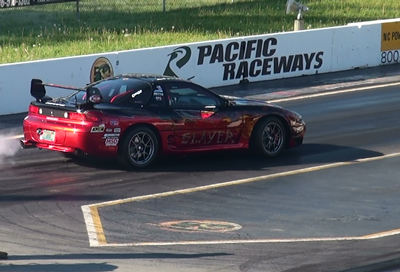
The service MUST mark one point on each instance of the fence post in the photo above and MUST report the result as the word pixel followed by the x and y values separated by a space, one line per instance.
pixel 163 5
pixel 78 15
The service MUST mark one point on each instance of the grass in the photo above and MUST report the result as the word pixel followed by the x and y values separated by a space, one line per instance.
pixel 48 31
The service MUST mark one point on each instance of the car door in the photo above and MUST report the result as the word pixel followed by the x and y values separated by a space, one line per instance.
pixel 201 120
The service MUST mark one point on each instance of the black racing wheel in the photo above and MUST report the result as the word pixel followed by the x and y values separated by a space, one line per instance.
pixel 269 137
pixel 139 148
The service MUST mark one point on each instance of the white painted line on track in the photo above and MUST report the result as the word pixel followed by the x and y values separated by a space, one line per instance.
pixel 308 96
pixel 97 236
pixel 258 241
pixel 91 227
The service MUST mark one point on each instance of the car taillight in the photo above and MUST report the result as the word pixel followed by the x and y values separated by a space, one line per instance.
pixel 84 116
pixel 92 116
pixel 33 109
pixel 76 116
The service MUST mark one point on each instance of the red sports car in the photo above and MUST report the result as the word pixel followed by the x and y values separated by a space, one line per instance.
pixel 136 117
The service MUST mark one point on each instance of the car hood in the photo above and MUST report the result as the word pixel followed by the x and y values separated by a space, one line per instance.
pixel 238 101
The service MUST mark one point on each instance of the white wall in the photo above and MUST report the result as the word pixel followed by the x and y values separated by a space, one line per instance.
pixel 214 63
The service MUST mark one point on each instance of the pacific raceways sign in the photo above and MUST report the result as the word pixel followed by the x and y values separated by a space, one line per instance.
pixel 245 59
pixel 22 3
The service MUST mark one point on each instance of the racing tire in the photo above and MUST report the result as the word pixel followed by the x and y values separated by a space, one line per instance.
pixel 269 138
pixel 139 148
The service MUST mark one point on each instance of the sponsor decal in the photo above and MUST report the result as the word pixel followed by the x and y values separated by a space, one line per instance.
pixel 199 226
pixel 111 135
pixel 158 94
pixel 98 129
pixel 117 130
pixel 390 43
pixel 101 69
pixel 114 123
pixel 112 141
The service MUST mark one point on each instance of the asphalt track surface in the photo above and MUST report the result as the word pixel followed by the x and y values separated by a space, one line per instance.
pixel 331 205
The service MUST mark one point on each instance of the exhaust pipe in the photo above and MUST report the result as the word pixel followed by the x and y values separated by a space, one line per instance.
pixel 25 144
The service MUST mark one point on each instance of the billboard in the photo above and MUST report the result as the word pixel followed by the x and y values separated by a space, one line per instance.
pixel 22 3
pixel 216 63
pixel 390 42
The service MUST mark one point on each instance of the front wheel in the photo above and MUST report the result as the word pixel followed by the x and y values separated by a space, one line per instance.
pixel 139 148
pixel 270 137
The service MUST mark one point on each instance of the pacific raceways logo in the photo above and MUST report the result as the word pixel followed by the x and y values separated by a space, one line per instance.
pixel 177 60
pixel 242 59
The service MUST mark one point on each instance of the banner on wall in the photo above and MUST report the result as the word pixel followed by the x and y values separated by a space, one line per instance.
pixel 227 62
pixel 216 63
pixel 22 3
pixel 246 59
pixel 390 42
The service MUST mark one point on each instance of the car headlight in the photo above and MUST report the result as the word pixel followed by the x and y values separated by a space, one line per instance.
pixel 297 123
pixel 298 127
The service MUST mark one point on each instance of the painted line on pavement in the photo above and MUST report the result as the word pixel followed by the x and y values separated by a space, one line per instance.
pixel 97 236
pixel 258 241
pixel 308 96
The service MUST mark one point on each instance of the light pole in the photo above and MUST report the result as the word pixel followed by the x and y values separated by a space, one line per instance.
pixel 293 6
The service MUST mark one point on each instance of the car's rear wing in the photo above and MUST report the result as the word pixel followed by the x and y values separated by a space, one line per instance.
pixel 38 91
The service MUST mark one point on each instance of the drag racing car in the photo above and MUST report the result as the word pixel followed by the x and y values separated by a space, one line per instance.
pixel 137 117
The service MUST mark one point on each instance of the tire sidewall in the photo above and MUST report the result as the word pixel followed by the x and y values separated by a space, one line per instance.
pixel 258 137
pixel 124 156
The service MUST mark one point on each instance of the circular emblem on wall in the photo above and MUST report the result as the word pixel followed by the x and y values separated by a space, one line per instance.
pixel 101 69
pixel 199 226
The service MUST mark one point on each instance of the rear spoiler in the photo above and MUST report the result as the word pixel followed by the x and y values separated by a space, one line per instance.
pixel 38 89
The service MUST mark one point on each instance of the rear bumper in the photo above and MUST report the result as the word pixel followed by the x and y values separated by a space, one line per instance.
pixel 26 144
pixel 69 137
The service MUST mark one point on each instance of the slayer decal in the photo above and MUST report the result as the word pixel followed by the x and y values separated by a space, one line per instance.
pixel 208 137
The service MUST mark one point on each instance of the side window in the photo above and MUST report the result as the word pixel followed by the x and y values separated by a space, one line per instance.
pixel 158 99
pixel 186 95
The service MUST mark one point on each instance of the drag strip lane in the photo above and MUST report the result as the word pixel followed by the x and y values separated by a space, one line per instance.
pixel 97 236
pixel 42 195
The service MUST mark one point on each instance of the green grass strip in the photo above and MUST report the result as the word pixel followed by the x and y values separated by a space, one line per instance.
pixel 48 31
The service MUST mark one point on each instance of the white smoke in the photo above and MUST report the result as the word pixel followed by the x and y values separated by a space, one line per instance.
pixel 9 146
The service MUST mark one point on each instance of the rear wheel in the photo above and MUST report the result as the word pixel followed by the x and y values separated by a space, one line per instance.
pixel 270 137
pixel 139 148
